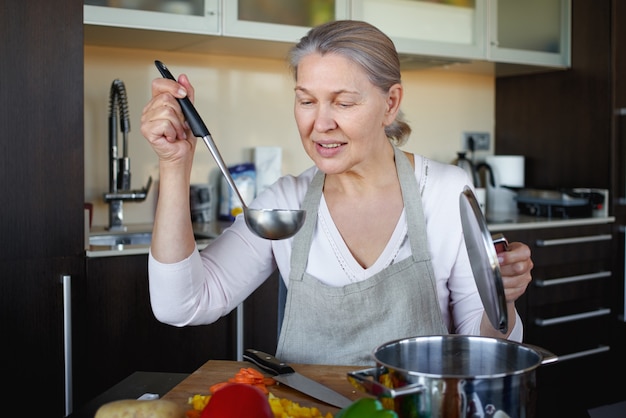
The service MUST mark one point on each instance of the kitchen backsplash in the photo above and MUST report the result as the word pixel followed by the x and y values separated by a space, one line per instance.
pixel 248 103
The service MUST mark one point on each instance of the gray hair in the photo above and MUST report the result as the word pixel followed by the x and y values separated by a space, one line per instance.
pixel 365 45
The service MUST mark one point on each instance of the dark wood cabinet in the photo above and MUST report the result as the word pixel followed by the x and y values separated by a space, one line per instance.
pixel 566 310
pixel 42 188
pixel 32 303
pixel 119 334
pixel 561 121
pixel 261 310
pixel 569 126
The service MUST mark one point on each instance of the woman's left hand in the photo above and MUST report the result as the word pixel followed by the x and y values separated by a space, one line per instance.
pixel 515 267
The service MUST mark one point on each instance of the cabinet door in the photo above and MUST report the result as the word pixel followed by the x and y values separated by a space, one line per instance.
pixel 260 323
pixel 279 20
pixel 119 334
pixel 41 183
pixel 534 32
pixel 566 310
pixel 32 304
pixel 454 30
pixel 41 163
pixel 195 16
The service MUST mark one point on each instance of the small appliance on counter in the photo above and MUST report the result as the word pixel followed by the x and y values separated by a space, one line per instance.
pixel 564 203
pixel 201 198
pixel 504 177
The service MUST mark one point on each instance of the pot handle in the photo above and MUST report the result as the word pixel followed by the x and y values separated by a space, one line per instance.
pixel 547 357
pixel 361 380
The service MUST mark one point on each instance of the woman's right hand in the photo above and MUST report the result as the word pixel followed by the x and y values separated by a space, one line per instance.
pixel 163 123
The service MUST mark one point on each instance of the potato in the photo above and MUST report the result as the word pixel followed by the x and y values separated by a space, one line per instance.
pixel 132 408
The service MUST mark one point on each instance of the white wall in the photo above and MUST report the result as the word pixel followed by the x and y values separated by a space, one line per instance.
pixel 248 102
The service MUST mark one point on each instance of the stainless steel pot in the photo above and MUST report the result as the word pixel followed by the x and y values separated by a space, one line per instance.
pixel 454 376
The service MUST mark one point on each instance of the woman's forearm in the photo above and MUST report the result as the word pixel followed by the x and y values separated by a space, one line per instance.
pixel 172 238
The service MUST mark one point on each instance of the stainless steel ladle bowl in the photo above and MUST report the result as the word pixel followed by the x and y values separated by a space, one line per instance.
pixel 267 223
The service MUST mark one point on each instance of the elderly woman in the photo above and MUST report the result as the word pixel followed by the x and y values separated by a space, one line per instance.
pixel 381 255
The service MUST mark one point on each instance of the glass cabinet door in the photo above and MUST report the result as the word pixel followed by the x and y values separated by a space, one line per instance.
pixel 184 16
pixel 438 28
pixel 530 32
pixel 279 20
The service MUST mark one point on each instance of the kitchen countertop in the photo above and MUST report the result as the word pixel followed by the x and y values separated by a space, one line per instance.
pixel 206 232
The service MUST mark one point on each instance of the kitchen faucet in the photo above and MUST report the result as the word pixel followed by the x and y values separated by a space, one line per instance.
pixel 119 167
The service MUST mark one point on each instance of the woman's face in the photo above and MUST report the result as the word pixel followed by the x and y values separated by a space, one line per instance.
pixel 341 115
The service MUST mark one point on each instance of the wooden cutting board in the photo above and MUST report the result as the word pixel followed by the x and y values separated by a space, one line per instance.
pixel 215 371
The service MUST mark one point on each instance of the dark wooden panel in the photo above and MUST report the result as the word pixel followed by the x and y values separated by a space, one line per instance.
pixel 41 184
pixel 556 383
pixel 619 54
pixel 119 335
pixel 261 316
pixel 41 158
pixel 31 309
pixel 561 120
pixel 570 388
pixel 619 104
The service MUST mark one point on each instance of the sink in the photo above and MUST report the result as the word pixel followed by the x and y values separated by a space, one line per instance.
pixel 122 238
pixel 117 239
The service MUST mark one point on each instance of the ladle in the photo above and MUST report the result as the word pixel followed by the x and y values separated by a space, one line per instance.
pixel 272 224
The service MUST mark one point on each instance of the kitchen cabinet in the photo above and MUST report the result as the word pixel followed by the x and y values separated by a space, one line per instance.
pixel 511 41
pixel 119 334
pixel 196 17
pixel 618 84
pixel 243 27
pixel 486 30
pixel 566 310
pixel 566 125
pixel 450 30
pixel 41 182
pixel 561 121
pixel 279 20
pixel 32 310
pixel 618 132
pixel 471 34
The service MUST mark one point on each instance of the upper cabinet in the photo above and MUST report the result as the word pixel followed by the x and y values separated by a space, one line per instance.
pixel 535 32
pixel 279 20
pixel 185 16
pixel 532 33
pixel 501 36
pixel 450 29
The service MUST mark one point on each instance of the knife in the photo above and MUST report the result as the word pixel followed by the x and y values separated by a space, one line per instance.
pixel 283 373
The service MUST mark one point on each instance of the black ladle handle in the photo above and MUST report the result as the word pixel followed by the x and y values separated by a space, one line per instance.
pixel 196 124
pixel 200 130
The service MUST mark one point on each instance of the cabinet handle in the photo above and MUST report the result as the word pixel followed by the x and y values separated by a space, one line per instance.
pixel 571 279
pixel 240 327
pixel 569 318
pixel 572 240
pixel 66 282
pixel 584 353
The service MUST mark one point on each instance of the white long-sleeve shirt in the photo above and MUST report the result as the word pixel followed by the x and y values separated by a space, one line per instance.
pixel 209 284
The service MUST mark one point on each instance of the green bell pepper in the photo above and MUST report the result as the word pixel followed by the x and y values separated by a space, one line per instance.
pixel 366 408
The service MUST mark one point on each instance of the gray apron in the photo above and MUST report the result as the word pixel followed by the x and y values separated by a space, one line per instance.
pixel 343 325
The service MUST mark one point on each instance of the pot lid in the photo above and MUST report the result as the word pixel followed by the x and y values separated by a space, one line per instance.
pixel 483 259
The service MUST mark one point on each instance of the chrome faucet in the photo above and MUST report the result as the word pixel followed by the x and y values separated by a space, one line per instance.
pixel 119 167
